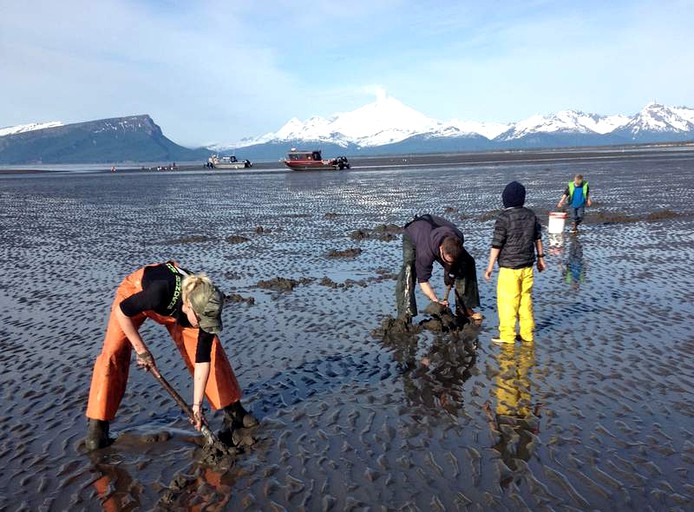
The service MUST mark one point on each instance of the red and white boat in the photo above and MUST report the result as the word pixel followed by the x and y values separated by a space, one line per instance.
pixel 299 160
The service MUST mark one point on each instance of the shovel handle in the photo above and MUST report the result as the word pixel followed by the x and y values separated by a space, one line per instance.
pixel 448 292
pixel 209 436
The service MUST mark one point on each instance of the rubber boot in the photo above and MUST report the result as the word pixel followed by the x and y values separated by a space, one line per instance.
pixel 97 435
pixel 237 422
pixel 237 417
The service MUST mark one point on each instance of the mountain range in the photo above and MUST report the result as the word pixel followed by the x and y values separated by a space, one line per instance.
pixel 385 126
pixel 388 126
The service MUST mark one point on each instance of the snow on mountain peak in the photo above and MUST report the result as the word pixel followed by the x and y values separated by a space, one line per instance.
pixel 383 121
pixel 566 121
pixel 659 118
pixel 11 130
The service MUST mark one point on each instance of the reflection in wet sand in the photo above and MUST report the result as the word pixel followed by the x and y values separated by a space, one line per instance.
pixel 574 269
pixel 515 417
pixel 433 380
pixel 199 488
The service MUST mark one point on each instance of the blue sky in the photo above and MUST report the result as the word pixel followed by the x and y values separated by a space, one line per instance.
pixel 217 71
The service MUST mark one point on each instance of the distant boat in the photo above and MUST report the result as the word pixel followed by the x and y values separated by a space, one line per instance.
pixel 299 160
pixel 227 162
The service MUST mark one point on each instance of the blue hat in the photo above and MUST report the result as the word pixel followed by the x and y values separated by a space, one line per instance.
pixel 513 195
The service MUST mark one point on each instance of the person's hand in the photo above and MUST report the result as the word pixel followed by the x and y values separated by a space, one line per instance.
pixel 541 265
pixel 488 274
pixel 443 302
pixel 589 202
pixel 560 204
pixel 145 360
pixel 198 417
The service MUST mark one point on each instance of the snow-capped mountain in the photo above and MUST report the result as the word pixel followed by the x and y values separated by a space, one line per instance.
pixel 387 121
pixel 565 122
pixel 656 119
pixel 21 128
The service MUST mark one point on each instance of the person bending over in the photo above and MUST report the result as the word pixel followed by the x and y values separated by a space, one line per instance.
pixel 190 308
pixel 428 239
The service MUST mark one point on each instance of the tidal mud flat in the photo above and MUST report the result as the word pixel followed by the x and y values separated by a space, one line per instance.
pixel 596 414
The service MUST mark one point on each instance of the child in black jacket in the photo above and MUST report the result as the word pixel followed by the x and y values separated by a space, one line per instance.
pixel 517 235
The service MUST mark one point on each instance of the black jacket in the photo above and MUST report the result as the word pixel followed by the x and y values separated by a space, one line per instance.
pixel 427 233
pixel 515 233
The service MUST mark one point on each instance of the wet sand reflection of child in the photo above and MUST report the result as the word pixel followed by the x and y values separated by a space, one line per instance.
pixel 515 420
pixel 574 270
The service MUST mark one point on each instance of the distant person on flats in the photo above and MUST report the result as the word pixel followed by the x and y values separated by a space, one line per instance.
pixel 517 236
pixel 190 308
pixel 428 239
pixel 577 197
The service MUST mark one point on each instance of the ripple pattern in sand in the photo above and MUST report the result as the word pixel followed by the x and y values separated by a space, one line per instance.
pixel 597 414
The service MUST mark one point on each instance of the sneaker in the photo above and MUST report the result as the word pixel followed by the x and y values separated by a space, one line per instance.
pixel 500 340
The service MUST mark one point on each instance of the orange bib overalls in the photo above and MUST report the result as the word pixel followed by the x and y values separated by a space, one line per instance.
pixel 112 365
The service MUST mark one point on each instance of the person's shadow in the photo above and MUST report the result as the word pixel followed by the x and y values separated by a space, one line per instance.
pixel 515 419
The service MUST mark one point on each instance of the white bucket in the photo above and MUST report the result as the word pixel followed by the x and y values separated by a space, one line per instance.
pixel 556 222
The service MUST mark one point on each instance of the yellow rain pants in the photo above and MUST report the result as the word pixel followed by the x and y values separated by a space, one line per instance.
pixel 112 365
pixel 514 302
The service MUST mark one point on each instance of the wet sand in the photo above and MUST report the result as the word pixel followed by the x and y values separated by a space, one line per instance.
pixel 596 414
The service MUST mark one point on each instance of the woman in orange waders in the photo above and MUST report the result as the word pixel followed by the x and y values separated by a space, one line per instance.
pixel 190 307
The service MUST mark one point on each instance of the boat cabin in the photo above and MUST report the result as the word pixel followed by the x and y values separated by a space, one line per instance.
pixel 295 155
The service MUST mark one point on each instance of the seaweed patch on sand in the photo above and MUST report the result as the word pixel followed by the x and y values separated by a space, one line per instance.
pixel 607 218
pixel 383 232
pixel 235 298
pixel 352 252
pixel 283 284
pixel 237 239
pixel 349 283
